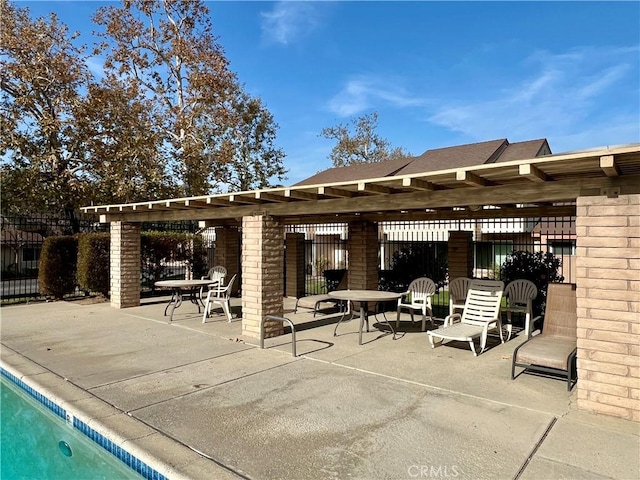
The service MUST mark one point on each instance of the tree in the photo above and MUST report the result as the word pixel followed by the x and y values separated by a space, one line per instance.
pixel 359 143
pixel 167 50
pixel 252 157
pixel 68 139
pixel 41 74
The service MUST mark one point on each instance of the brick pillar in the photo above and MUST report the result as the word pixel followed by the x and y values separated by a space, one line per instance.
pixel 227 253
pixel 125 264
pixel 294 264
pixel 608 302
pixel 262 272
pixel 362 246
pixel 460 254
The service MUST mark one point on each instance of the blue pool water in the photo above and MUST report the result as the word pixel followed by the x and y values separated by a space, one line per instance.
pixel 37 444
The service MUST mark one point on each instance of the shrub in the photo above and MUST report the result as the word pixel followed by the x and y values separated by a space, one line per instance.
pixel 57 274
pixel 416 260
pixel 159 248
pixel 93 262
pixel 540 268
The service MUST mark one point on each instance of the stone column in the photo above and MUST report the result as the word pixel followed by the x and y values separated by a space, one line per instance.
pixel 295 266
pixel 125 264
pixel 262 274
pixel 608 299
pixel 227 254
pixel 363 247
pixel 460 254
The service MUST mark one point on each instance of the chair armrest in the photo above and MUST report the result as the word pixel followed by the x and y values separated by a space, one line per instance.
pixel 450 319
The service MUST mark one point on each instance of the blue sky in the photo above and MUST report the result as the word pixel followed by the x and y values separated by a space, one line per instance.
pixel 438 73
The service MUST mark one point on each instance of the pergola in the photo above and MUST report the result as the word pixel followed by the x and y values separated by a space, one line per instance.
pixel 601 187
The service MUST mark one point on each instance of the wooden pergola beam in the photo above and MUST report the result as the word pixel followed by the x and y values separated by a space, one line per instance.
pixel 533 173
pixel 609 166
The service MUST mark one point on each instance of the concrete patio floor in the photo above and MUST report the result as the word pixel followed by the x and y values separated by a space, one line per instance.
pixel 201 401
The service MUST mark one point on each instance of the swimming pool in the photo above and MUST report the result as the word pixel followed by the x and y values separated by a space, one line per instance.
pixel 40 439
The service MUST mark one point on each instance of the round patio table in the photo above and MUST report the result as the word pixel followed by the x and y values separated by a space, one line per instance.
pixel 364 297
pixel 178 288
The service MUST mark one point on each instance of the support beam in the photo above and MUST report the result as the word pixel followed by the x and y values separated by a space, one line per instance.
pixel 533 173
pixel 417 184
pixel 471 178
pixel 609 166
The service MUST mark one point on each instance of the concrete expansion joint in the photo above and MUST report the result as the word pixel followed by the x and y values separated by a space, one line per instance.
pixel 535 448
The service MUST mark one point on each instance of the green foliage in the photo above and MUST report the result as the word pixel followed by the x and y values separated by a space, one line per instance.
pixel 58 258
pixel 359 143
pixel 159 248
pixel 540 268
pixel 417 260
pixel 93 262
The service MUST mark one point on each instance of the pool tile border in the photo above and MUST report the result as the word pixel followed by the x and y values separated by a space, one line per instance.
pixel 137 465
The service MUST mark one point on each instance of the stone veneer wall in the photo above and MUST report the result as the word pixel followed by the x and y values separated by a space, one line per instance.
pixel 262 268
pixel 125 264
pixel 227 253
pixel 608 296
pixel 362 246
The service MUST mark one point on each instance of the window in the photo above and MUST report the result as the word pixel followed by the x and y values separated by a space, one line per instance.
pixel 30 254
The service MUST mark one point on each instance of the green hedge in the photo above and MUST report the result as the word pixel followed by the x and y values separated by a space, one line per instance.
pixel 93 262
pixel 159 248
pixel 58 259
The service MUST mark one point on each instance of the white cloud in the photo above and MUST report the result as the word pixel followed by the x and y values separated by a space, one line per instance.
pixel 287 22
pixel 571 97
pixel 364 93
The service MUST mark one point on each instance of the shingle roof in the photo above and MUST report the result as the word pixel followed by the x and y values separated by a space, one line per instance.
pixel 459 156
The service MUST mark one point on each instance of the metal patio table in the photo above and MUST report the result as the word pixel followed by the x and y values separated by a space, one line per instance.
pixel 364 297
pixel 178 288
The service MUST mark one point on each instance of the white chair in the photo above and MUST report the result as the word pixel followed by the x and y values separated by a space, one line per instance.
pixel 217 275
pixel 219 296
pixel 458 293
pixel 481 313
pixel 520 295
pixel 418 297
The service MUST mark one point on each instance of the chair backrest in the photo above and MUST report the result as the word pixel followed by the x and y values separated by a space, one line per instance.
pixel 561 311
pixel 520 291
pixel 228 288
pixel 458 288
pixel 483 301
pixel 421 289
pixel 217 273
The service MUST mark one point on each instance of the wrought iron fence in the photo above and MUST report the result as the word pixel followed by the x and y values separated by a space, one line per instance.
pixel 420 248
pixel 22 237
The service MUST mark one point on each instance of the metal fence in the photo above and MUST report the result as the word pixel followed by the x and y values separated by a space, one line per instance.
pixel 421 244
pixel 422 248
pixel 22 236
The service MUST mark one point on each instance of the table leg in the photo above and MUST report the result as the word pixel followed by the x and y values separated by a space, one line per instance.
pixel 175 302
pixel 363 312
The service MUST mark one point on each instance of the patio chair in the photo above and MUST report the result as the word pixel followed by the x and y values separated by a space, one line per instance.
pixel 216 274
pixel 219 296
pixel 554 350
pixel 417 298
pixel 458 293
pixel 315 302
pixel 520 295
pixel 481 313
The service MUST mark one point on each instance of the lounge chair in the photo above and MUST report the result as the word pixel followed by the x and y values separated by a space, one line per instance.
pixel 316 302
pixel 554 350
pixel 481 313
pixel 417 297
